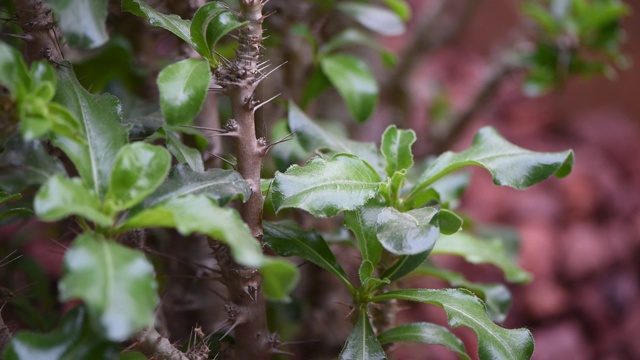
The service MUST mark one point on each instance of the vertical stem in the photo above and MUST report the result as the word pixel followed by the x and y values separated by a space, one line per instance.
pixel 247 307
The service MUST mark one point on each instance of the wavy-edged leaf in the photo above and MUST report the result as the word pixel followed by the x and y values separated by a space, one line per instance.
pixel 509 165
pixel 312 137
pixel 396 149
pixel 61 197
pixel 464 308
pixel 481 251
pixel 184 153
pixel 101 128
pixel 326 187
pixel 82 22
pixel 173 23
pixel 362 223
pixel 373 17
pixel 116 283
pixel 26 163
pixel 407 233
pixel 362 343
pixel 210 23
pixel 183 88
pixel 427 333
pixel 138 170
pixel 404 266
pixel 496 296
pixel 355 83
pixel 217 184
pixel 74 338
pixel 287 239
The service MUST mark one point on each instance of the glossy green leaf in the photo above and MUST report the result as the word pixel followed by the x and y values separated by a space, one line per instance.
pixel 448 222
pixel 138 170
pixel 210 23
pixel 279 278
pixel 82 22
pixel 173 23
pixel 396 149
pixel 73 339
pixel 183 153
pixel 407 233
pixel 218 184
pixel 116 283
pixel 61 197
pixel 508 164
pixel 183 88
pixel 101 128
pixel 326 187
pixel 373 17
pixel 400 7
pixel 200 214
pixel 362 223
pixel 480 251
pixel 13 70
pixel 26 163
pixel 355 83
pixel 312 137
pixel 287 239
pixel 427 333
pixel 404 266
pixel 496 297
pixel 463 308
pixel 362 343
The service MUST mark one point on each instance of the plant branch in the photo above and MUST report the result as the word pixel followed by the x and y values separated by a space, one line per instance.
pixel 41 41
pixel 155 346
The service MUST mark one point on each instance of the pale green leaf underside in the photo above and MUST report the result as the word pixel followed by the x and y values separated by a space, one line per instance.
pixel 82 22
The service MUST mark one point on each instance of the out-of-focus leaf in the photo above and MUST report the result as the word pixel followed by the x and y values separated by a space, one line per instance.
pixel 427 333
pixel 407 233
pixel 60 197
pixel 396 149
pixel 463 308
pixel 288 152
pixel 102 132
pixel 279 277
pixel 82 22
pixel 448 222
pixel 400 7
pixel 138 170
pixel 183 153
pixel 479 251
pixel 210 23
pixel 173 23
pixel 373 17
pixel 355 83
pixel 362 222
pixel 326 187
pixel 26 163
pixel 116 283
pixel 183 88
pixel 287 239
pixel 13 69
pixel 362 343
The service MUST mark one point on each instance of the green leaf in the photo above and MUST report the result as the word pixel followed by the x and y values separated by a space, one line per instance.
pixel 218 184
pixel 407 233
pixel 355 83
pixel 20 212
pixel 183 88
pixel 61 197
pixel 279 278
pixel 138 170
pixel 349 38
pixel 287 239
pixel 326 187
pixel 396 148
pixel 13 70
pixel 102 132
pixel 404 265
pixel 183 153
pixel 173 23
pixel 448 222
pixel 6 197
pixel 496 297
pixel 288 152
pixel 210 23
pixel 463 308
pixel 312 137
pixel 478 251
pixel 400 7
pixel 374 18
pixel 26 163
pixel 362 343
pixel 74 338
pixel 508 164
pixel 82 22
pixel 117 284
pixel 427 333
pixel 362 222
pixel 201 214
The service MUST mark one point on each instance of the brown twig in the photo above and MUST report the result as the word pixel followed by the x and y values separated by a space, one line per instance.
pixel 155 346
pixel 41 35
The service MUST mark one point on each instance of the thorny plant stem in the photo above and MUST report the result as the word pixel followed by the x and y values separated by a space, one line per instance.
pixel 41 36
pixel 247 307
pixel 154 346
